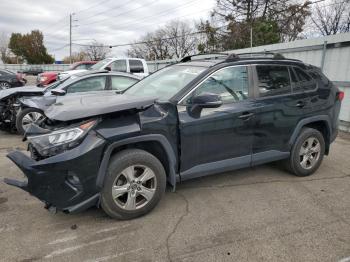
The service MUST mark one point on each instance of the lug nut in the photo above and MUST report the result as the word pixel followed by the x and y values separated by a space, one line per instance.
pixel 139 188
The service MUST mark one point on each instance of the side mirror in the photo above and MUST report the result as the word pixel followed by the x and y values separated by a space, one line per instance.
pixel 58 92
pixel 207 100
pixel 108 68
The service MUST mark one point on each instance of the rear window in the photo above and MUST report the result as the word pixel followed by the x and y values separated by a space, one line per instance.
pixel 136 66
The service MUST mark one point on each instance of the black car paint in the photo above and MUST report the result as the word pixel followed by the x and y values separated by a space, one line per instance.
pixel 10 78
pixel 191 143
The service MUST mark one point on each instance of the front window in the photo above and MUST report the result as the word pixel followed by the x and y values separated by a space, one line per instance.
pixel 119 66
pixel 101 65
pixel 165 83
pixel 230 83
pixel 96 83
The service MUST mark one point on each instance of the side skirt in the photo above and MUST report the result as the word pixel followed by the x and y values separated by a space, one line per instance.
pixel 232 164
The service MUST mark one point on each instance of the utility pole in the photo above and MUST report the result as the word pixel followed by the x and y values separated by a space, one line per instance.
pixel 70 34
pixel 70 38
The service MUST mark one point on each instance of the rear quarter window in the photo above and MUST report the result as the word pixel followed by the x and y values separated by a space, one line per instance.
pixel 305 81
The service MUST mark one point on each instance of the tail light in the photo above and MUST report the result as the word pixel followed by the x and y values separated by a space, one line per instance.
pixel 340 96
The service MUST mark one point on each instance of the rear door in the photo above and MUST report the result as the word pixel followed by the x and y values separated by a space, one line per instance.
pixel 217 139
pixel 120 83
pixel 278 112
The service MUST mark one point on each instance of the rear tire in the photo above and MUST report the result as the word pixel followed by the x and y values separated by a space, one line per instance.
pixel 26 116
pixel 134 184
pixel 307 153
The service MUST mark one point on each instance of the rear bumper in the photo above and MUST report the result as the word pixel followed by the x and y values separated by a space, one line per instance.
pixel 66 181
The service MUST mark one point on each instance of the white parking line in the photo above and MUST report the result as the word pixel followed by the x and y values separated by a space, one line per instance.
pixel 62 240
pixel 74 248
pixel 112 228
pixel 114 256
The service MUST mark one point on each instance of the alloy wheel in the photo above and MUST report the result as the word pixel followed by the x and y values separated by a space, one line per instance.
pixel 134 187
pixel 310 152
pixel 31 118
pixel 4 85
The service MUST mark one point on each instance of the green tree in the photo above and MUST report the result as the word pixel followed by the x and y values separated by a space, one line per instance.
pixel 30 47
pixel 272 21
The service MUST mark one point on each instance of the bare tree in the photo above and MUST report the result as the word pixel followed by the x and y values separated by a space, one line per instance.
pixel 76 57
pixel 96 51
pixel 332 18
pixel 174 40
pixel 182 40
pixel 4 49
pixel 283 19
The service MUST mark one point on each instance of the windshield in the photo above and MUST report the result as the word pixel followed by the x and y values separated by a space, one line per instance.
pixel 72 66
pixel 165 83
pixel 101 64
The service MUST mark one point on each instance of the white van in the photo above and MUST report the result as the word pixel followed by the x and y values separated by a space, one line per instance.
pixel 134 66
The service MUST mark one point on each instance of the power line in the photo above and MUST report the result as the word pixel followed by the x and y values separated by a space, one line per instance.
pixel 97 4
pixel 123 13
pixel 159 14
pixel 151 41
pixel 59 48
pixel 53 24
pixel 106 11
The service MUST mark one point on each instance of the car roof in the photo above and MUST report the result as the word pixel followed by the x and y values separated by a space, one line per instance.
pixel 239 59
pixel 106 72
pixel 86 74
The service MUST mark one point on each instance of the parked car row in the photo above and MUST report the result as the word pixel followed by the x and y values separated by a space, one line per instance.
pixel 117 150
pixel 47 78
pixel 19 107
pixel 10 79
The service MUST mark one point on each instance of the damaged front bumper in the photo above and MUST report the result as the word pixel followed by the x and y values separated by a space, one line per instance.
pixel 66 181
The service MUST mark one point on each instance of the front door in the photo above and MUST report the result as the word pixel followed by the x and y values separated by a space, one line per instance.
pixel 217 139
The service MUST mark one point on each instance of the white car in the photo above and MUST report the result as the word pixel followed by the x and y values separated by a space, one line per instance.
pixel 134 66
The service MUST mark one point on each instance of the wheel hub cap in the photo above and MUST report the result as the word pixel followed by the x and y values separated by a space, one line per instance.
pixel 134 187
pixel 309 152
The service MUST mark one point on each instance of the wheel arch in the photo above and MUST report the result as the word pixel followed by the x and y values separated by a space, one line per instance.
pixel 321 123
pixel 155 144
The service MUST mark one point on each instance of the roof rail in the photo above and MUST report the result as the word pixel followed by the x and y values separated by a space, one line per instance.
pixel 266 54
pixel 189 57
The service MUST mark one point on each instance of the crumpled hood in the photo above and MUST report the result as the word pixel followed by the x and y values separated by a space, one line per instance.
pixel 23 90
pixel 94 105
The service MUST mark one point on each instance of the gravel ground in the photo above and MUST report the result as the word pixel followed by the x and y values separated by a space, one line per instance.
pixel 257 214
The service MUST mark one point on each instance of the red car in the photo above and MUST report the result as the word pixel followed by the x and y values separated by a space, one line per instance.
pixel 47 78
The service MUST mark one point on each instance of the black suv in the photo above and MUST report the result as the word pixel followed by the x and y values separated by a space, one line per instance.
pixel 191 119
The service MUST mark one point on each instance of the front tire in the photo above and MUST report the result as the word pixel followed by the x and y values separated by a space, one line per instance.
pixel 307 153
pixel 4 85
pixel 26 117
pixel 134 184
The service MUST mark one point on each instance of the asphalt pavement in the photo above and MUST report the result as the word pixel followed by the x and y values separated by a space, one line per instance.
pixel 255 214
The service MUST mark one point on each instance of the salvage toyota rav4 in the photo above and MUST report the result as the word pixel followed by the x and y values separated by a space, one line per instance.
pixel 191 119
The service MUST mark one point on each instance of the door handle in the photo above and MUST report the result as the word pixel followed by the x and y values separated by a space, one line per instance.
pixel 300 104
pixel 246 116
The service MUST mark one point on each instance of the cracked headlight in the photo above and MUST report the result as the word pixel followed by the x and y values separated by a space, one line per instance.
pixel 60 140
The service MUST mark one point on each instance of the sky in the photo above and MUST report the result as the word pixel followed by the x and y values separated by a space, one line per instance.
pixel 110 22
